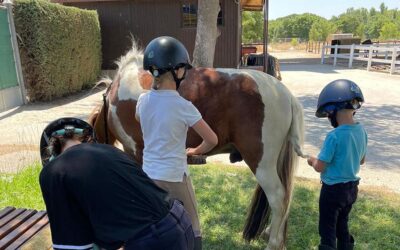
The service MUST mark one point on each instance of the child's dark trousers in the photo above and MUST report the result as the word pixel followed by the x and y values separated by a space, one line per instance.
pixel 335 203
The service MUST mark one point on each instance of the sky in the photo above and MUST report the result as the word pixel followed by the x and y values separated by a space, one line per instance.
pixel 324 8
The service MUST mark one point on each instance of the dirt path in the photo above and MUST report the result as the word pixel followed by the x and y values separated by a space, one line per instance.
pixel 20 128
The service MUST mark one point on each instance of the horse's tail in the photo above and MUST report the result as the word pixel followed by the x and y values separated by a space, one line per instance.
pixel 260 210
pixel 296 133
pixel 288 158
pixel 257 216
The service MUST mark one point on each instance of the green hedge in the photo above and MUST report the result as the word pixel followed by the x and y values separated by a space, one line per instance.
pixel 60 48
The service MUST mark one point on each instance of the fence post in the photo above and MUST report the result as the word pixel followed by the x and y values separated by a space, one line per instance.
pixel 323 54
pixel 334 56
pixel 371 49
pixel 393 64
pixel 351 56
pixel 14 44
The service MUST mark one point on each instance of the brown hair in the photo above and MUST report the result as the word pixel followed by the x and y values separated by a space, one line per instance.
pixel 57 143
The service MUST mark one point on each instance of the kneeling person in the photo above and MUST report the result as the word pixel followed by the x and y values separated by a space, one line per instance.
pixel 95 194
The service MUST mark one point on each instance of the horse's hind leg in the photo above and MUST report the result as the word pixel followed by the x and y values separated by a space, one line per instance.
pixel 265 170
pixel 268 179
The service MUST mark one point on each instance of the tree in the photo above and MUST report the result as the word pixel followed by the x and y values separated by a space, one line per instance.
pixel 383 8
pixel 293 26
pixel 206 34
pixel 375 24
pixel 372 11
pixel 349 21
pixel 252 26
pixel 360 31
pixel 389 31
pixel 320 30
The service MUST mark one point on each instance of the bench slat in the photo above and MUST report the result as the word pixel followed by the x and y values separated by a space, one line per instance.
pixel 41 240
pixel 27 230
pixel 11 216
pixel 6 211
pixel 11 225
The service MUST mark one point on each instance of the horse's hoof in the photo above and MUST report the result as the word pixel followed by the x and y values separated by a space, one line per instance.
pixel 265 234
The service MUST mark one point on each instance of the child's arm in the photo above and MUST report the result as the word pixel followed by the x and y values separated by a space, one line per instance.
pixel 318 165
pixel 210 139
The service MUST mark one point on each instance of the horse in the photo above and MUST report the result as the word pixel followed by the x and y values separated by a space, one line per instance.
pixel 254 115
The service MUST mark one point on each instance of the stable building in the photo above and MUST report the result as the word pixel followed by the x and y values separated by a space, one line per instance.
pixel 147 19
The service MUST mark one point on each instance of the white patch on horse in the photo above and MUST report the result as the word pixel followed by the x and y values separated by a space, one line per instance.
pixel 129 85
pixel 126 139
pixel 128 70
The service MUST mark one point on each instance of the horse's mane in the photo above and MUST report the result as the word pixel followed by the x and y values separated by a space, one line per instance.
pixel 134 55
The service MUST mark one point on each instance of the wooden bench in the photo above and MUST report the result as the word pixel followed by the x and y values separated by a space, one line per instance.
pixel 22 228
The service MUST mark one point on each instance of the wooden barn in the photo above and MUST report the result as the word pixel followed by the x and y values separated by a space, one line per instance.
pixel 147 19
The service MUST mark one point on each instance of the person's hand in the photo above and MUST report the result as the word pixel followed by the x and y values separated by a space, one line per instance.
pixel 311 160
pixel 190 151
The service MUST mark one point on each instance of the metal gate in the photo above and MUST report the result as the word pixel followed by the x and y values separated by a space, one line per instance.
pixel 10 89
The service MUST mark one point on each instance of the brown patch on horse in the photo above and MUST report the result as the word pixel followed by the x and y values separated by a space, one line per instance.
pixel 113 94
pixel 96 119
pixel 145 79
pixel 232 106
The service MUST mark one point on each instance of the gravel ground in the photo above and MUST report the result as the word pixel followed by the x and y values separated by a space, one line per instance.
pixel 20 128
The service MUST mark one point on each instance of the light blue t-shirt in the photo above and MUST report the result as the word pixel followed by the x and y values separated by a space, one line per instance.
pixel 343 149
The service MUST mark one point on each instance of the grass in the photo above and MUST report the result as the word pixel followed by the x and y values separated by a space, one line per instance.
pixel 22 189
pixel 223 195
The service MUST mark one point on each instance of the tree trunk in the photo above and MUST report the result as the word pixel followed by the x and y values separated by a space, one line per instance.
pixel 207 33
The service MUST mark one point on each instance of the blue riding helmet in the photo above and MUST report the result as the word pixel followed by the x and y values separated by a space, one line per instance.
pixel 338 95
pixel 64 127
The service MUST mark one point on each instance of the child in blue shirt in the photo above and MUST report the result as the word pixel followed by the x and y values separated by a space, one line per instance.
pixel 339 162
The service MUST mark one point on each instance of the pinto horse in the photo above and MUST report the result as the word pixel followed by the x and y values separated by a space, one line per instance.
pixel 254 115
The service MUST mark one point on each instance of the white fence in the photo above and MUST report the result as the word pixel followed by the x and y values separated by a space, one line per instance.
pixel 385 54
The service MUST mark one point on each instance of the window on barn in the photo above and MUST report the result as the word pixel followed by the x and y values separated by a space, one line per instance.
pixel 189 15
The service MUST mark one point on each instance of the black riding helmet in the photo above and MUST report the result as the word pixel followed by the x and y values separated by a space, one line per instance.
pixel 337 95
pixel 165 54
pixel 64 127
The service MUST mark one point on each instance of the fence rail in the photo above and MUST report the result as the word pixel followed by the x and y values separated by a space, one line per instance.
pixel 383 54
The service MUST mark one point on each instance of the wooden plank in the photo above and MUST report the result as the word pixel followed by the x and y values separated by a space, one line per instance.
pixel 6 211
pixel 11 216
pixel 29 230
pixel 11 225
pixel 42 240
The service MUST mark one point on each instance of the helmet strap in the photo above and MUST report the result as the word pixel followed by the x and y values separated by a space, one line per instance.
pixel 178 80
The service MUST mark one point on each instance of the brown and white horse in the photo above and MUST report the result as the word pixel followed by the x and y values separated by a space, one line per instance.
pixel 254 115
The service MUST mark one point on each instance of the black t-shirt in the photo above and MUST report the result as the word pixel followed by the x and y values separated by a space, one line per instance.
pixel 96 193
